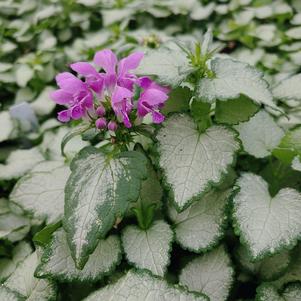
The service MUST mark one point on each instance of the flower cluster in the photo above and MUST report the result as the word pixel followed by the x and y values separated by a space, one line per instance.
pixel 114 95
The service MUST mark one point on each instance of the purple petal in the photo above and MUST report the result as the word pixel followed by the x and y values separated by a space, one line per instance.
pixel 64 116
pixel 69 82
pixel 157 117
pixel 61 97
pixel 130 62
pixel 101 123
pixel 107 60
pixel 153 97
pixel 84 68
pixel 77 112
pixel 146 83
pixel 61 77
pixel 142 109
pixel 120 93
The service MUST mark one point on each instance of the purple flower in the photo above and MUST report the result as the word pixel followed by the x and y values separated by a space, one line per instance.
pixel 101 123
pixel 122 104
pixel 118 73
pixel 152 99
pixel 74 94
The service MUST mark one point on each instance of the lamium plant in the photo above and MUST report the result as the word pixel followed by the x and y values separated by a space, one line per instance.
pixel 169 173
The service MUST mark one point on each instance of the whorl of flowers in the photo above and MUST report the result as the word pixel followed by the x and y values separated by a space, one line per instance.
pixel 112 96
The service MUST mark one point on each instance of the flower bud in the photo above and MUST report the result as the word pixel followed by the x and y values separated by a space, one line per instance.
pixel 101 123
pixel 100 111
pixel 112 126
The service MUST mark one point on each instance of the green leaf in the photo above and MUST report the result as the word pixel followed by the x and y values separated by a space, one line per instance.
pixel 267 292
pixel 41 192
pixel 210 274
pixel 231 79
pixel 72 133
pixel 19 162
pixel 266 225
pixel 8 265
pixel 43 104
pixel 6 125
pixel 8 295
pixel 260 135
pixel 200 226
pixel 200 112
pixel 192 161
pixel 234 111
pixel 57 263
pixel 148 249
pixel 23 74
pixel 170 66
pixel 290 146
pixel 23 282
pixel 98 192
pixel 43 237
pixel 296 163
pixel 266 269
pixel 139 285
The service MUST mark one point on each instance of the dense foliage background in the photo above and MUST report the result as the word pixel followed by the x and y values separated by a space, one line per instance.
pixel 41 38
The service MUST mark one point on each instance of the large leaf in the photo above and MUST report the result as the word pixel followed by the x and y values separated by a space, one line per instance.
pixel 41 192
pixel 148 249
pixel 171 67
pixel 98 192
pixel 192 161
pixel 137 286
pixel 8 295
pixel 200 226
pixel 266 225
pixel 20 162
pixel 210 274
pixel 267 292
pixel 23 282
pixel 232 78
pixel 260 135
pixel 57 263
pixel 8 265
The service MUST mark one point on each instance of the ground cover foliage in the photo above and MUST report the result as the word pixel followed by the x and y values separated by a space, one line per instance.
pixel 174 172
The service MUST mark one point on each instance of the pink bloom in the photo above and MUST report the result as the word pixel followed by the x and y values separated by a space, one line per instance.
pixel 122 104
pixel 74 94
pixel 112 126
pixel 152 99
pixel 118 73
pixel 101 123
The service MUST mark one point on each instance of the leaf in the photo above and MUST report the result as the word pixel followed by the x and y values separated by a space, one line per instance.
pixel 266 292
pixel 260 135
pixel 41 192
pixel 148 249
pixel 288 89
pixel 233 78
pixel 6 125
pixel 23 74
pixel 266 225
pixel 98 191
pixel 192 161
pixel 72 133
pixel 200 226
pixel 43 105
pixel 210 274
pixel 23 282
pixel 266 269
pixel 139 285
pixel 13 227
pixel 57 263
pixel 8 265
pixel 171 67
pixel 19 162
pixel 43 237
pixel 234 111
pixel 290 146
pixel 296 164
pixel 7 295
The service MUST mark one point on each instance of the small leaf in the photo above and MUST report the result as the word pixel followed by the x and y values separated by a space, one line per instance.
pixel 148 249
pixel 57 263
pixel 266 225
pixel 296 163
pixel 260 135
pixel 233 78
pixel 23 282
pixel 98 191
pixel 43 237
pixel 192 161
pixel 23 74
pixel 200 112
pixel 171 67
pixel 41 192
pixel 210 274
pixel 234 111
pixel 288 89
pixel 139 285
pixel 6 126
pixel 267 292
pixel 200 226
